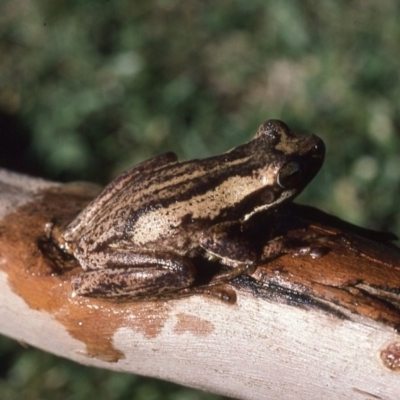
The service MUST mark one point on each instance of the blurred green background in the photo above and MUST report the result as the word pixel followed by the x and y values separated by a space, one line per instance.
pixel 90 88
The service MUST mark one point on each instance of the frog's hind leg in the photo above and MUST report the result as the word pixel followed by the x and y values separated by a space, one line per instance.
pixel 141 277
pixel 226 244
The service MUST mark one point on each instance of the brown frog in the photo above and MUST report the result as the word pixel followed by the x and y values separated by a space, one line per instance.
pixel 137 238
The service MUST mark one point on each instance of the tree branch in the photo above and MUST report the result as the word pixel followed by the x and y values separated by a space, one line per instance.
pixel 319 325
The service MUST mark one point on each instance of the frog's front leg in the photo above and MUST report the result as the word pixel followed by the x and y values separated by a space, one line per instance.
pixel 227 243
pixel 242 246
pixel 135 275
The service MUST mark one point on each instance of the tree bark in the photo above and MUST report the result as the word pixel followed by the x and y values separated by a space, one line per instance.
pixel 319 325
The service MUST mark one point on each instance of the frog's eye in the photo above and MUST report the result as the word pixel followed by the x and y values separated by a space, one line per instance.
pixel 271 137
pixel 272 131
pixel 288 175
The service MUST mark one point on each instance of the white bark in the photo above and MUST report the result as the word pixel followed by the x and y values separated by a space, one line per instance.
pixel 254 349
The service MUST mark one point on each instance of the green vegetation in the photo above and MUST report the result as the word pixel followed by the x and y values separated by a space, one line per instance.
pixel 88 88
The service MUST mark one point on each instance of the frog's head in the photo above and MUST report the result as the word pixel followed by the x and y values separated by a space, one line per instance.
pixel 284 162
pixel 299 157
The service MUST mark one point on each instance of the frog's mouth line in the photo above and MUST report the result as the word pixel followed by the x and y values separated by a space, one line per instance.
pixel 287 194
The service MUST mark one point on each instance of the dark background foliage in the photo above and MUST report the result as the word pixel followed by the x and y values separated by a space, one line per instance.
pixel 90 88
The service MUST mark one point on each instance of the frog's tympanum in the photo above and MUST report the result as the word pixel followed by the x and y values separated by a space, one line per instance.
pixel 138 238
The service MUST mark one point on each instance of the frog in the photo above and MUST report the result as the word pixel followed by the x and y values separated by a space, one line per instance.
pixel 138 238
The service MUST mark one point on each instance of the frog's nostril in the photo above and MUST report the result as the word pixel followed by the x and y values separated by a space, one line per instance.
pixel 319 148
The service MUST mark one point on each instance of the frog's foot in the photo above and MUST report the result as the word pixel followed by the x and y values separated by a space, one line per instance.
pixel 309 245
pixel 227 276
pixel 221 292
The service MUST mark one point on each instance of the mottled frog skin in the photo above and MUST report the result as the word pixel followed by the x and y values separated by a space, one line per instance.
pixel 137 238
